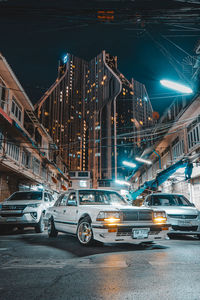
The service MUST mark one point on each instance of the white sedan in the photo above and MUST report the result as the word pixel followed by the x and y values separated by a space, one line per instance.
pixel 181 213
pixel 104 216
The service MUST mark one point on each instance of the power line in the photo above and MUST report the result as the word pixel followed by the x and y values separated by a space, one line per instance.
pixel 62 148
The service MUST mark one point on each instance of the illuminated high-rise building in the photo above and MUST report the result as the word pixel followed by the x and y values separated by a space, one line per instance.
pixel 116 112
pixel 95 116
pixel 61 112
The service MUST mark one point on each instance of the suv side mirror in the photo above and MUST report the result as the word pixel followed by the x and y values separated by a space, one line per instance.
pixel 192 204
pixel 46 199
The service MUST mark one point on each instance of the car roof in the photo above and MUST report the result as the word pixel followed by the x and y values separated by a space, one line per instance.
pixel 157 194
pixel 99 190
pixel 17 192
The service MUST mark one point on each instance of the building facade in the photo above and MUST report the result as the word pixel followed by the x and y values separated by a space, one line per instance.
pixel 94 115
pixel 180 143
pixel 27 152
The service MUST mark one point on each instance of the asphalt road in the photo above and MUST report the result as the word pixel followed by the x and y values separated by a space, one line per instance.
pixel 36 267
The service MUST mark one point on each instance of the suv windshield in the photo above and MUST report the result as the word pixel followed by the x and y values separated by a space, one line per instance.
pixel 101 198
pixel 26 196
pixel 169 200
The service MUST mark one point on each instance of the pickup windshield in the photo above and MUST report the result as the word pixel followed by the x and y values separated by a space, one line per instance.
pixel 26 196
pixel 101 198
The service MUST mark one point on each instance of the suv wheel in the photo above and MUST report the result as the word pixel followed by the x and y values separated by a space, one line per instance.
pixel 84 232
pixel 39 228
pixel 52 232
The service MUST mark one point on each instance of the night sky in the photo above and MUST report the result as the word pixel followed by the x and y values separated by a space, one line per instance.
pixel 36 34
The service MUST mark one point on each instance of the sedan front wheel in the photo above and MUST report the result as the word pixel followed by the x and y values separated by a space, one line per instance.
pixel 84 232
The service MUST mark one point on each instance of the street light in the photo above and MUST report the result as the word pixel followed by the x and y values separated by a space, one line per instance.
pixel 145 161
pixel 122 182
pixel 129 164
pixel 176 86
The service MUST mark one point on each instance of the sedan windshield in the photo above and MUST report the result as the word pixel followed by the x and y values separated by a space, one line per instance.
pixel 170 200
pixel 101 198
pixel 26 196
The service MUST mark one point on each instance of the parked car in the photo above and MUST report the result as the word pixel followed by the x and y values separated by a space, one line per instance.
pixel 181 213
pixel 104 216
pixel 26 209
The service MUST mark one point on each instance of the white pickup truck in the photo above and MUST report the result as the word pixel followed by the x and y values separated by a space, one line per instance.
pixel 25 209
pixel 104 216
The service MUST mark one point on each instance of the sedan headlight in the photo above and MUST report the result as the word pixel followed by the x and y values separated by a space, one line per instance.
pixel 109 217
pixel 159 217
pixel 33 205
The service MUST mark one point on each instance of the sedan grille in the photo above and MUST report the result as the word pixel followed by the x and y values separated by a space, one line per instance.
pixel 13 207
pixel 188 217
pixel 185 228
pixel 136 215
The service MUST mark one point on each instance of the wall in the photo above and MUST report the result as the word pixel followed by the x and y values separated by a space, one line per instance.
pixel 8 185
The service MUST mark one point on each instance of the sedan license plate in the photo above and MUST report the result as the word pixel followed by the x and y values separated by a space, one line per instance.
pixel 140 233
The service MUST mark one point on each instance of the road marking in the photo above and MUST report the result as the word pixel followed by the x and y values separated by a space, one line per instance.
pixel 4 249
pixel 59 264
pixel 164 263
pixel 87 263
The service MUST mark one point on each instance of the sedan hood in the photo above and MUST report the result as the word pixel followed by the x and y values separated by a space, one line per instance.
pixel 21 202
pixel 116 207
pixel 179 210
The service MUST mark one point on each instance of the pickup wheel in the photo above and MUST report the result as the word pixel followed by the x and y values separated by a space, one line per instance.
pixel 39 228
pixel 84 232
pixel 52 232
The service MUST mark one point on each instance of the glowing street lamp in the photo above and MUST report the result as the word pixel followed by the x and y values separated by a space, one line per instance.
pixel 145 161
pixel 176 86
pixel 129 164
pixel 122 182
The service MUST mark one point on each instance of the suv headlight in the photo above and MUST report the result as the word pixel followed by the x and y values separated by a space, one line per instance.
pixel 34 205
pixel 109 217
pixel 159 217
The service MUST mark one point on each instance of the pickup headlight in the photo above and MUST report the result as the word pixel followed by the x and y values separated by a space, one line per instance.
pixel 159 217
pixel 109 217
pixel 33 205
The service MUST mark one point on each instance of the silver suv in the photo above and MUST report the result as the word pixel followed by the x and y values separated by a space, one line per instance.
pixel 25 209
pixel 181 214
